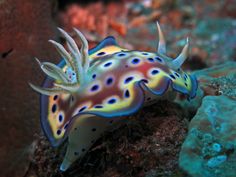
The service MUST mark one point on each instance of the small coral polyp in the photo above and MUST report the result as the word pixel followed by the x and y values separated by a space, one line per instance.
pixel 90 89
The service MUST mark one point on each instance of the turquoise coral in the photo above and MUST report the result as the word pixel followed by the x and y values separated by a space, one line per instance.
pixel 209 149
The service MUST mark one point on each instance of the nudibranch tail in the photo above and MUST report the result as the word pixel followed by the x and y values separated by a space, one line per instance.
pixel 87 129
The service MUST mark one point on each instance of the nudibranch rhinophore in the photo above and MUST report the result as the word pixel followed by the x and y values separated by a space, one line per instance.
pixel 89 90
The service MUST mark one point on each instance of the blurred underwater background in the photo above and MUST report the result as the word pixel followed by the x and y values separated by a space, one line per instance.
pixel 194 138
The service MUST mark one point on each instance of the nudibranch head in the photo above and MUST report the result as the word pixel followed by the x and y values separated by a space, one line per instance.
pixel 89 90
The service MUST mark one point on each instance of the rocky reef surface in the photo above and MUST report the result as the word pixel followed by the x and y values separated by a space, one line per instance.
pixel 209 149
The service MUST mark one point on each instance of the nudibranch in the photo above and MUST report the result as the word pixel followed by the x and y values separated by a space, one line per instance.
pixel 89 90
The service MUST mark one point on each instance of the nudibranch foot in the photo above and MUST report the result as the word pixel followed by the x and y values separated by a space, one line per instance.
pixel 89 125
pixel 89 90
pixel 88 128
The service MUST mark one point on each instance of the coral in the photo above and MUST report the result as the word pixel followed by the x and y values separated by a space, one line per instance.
pixel 209 149
pixel 96 17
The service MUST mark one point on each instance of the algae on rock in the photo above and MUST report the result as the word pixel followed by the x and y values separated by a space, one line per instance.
pixel 209 149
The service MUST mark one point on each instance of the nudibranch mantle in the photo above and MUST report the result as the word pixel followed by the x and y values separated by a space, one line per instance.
pixel 91 89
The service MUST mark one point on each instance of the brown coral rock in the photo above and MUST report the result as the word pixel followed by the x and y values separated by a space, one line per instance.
pixel 25 27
